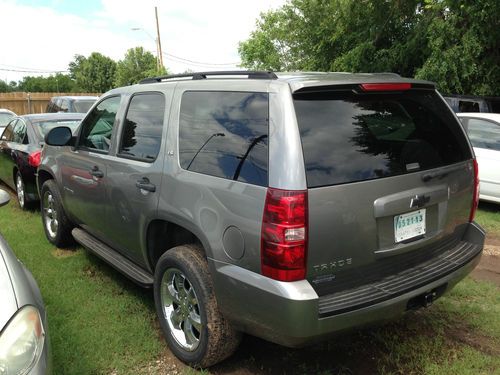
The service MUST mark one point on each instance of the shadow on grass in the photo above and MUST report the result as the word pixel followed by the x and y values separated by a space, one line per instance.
pixel 489 206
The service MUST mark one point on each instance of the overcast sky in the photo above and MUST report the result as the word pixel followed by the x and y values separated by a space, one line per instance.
pixel 44 35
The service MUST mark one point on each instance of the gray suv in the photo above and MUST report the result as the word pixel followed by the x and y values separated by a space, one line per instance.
pixel 286 206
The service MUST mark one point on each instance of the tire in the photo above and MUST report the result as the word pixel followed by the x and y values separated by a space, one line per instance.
pixel 185 302
pixel 21 192
pixel 56 225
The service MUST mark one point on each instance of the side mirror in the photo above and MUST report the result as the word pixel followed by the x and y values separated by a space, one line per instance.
pixel 4 197
pixel 60 136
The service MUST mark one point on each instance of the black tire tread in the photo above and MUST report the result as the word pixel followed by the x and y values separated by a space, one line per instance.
pixel 223 339
pixel 63 237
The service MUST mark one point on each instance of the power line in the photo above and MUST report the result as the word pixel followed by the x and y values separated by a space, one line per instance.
pixel 182 59
pixel 32 71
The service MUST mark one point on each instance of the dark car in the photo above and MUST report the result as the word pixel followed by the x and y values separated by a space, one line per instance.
pixel 73 104
pixel 20 147
pixel 24 344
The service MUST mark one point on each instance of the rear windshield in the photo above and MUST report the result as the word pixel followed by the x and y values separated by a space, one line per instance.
pixel 43 127
pixel 82 106
pixel 349 137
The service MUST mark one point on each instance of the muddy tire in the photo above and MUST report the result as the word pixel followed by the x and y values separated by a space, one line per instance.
pixel 56 225
pixel 194 328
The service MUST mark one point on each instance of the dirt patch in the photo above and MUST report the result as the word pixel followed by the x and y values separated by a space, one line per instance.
pixel 63 253
pixel 471 337
pixel 488 268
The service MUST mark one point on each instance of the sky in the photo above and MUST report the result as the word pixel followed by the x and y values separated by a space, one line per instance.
pixel 42 36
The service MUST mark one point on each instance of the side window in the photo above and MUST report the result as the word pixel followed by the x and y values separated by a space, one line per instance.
pixel 19 133
pixel 64 105
pixel 468 106
pixel 141 137
pixel 98 125
pixel 8 133
pixel 484 134
pixel 225 134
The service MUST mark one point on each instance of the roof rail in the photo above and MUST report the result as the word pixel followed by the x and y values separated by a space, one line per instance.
pixel 252 74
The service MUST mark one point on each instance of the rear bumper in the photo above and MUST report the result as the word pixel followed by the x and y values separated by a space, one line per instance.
pixel 292 314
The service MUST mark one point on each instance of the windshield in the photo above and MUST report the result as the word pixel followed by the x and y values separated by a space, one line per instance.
pixel 349 137
pixel 43 127
pixel 82 106
pixel 5 118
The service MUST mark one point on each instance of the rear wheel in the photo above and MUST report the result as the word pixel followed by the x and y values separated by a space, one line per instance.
pixel 194 328
pixel 21 191
pixel 56 225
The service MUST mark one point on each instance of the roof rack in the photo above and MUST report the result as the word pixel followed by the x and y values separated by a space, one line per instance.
pixel 252 74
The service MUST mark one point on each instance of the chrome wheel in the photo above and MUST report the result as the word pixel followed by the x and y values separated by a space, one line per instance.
pixel 181 309
pixel 50 214
pixel 20 191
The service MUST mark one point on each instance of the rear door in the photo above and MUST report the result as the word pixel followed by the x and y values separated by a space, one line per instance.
pixel 83 169
pixel 390 180
pixel 134 174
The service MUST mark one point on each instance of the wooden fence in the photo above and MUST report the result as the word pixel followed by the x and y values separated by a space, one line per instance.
pixel 31 102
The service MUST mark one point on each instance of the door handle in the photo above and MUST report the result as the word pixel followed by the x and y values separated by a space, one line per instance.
pixel 144 184
pixel 96 172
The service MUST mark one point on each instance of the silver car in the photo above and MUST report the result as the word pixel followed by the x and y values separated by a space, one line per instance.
pixel 24 347
pixel 286 206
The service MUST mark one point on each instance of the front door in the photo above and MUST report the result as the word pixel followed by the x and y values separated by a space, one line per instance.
pixel 134 174
pixel 84 168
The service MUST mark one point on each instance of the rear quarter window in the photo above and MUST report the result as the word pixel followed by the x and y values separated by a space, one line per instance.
pixel 349 137
pixel 225 134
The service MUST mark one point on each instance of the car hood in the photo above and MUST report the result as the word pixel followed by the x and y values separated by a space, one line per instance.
pixel 8 300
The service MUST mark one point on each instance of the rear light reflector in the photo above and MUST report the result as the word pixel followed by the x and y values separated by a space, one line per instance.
pixel 34 158
pixel 385 86
pixel 475 197
pixel 284 235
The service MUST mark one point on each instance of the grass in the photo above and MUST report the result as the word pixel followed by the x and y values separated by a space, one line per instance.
pixel 98 320
pixel 100 323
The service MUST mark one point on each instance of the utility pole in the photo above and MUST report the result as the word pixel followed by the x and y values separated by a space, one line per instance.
pixel 160 54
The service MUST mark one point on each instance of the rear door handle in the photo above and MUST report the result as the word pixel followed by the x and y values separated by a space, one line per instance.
pixel 96 172
pixel 145 184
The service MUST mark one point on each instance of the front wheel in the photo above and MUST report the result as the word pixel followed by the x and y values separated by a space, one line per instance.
pixel 56 225
pixel 194 328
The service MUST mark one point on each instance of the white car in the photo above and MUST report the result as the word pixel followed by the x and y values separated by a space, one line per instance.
pixel 484 133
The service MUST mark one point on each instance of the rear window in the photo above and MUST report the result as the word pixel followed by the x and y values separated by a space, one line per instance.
pixel 43 127
pixel 82 106
pixel 349 137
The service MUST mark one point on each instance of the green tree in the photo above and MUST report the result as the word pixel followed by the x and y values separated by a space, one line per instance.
pixel 452 42
pixel 4 86
pixel 53 83
pixel 95 73
pixel 136 65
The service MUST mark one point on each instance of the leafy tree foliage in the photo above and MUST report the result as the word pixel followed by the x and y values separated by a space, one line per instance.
pixel 95 73
pixel 136 65
pixel 4 86
pixel 455 43
pixel 53 83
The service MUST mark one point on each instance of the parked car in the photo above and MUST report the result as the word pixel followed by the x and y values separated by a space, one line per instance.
pixel 5 116
pixel 286 206
pixel 20 147
pixel 73 104
pixel 471 103
pixel 24 345
pixel 484 133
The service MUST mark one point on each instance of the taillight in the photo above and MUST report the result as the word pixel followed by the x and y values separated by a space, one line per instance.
pixel 34 158
pixel 385 86
pixel 475 197
pixel 284 235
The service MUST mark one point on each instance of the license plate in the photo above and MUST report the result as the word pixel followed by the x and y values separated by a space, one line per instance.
pixel 409 225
